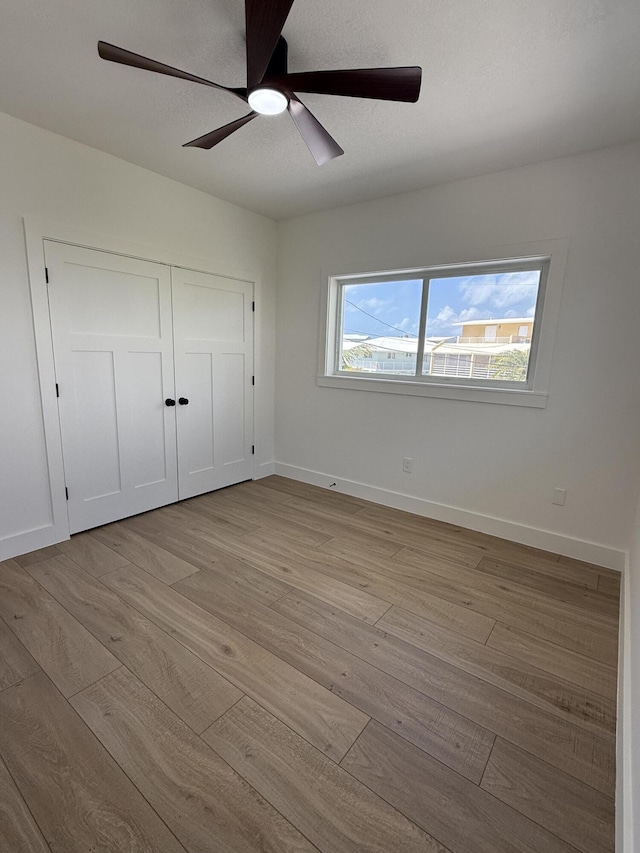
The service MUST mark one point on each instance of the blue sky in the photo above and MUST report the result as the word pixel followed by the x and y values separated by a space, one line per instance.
pixel 393 308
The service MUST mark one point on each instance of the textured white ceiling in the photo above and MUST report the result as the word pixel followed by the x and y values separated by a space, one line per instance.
pixel 505 83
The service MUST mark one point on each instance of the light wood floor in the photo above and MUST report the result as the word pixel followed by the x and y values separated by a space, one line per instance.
pixel 276 667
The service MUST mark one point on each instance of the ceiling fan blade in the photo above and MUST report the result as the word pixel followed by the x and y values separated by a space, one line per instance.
pixel 126 57
pixel 211 139
pixel 385 84
pixel 264 21
pixel 322 145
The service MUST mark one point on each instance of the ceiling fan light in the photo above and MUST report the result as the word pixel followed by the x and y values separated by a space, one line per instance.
pixel 268 102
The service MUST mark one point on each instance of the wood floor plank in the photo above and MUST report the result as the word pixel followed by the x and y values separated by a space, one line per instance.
pixel 524 556
pixel 313 711
pixel 227 523
pixel 395 524
pixel 375 583
pixel 64 649
pixel 514 593
pixel 292 488
pixel 414 521
pixel 15 661
pixel 573 667
pixel 463 816
pixel 504 549
pixel 441 542
pixel 575 704
pixel 296 572
pixel 92 555
pixel 147 555
pixel 36 556
pixel 205 803
pixel 333 810
pixel 559 590
pixel 578 573
pixel 452 739
pixel 609 585
pixel 194 691
pixel 329 523
pixel 582 565
pixel 251 510
pixel 263 488
pixel 578 752
pixel 457 538
pixel 79 796
pixel 177 540
pixel 351 551
pixel 568 808
pixel 19 833
pixel 588 633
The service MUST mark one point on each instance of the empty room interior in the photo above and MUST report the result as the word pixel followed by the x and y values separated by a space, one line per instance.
pixel 320 426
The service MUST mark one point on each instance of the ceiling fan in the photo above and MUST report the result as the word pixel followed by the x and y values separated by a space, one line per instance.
pixel 272 90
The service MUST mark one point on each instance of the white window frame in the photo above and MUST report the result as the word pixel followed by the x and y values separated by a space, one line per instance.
pixel 549 255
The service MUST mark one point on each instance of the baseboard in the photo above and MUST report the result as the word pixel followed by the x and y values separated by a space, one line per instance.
pixel 30 540
pixel 624 735
pixel 266 469
pixel 546 540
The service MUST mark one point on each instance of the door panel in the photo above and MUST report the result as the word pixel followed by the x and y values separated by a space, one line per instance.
pixel 213 339
pixel 214 314
pixel 196 436
pixel 146 418
pixel 112 333
pixel 93 381
pixel 117 303
pixel 231 371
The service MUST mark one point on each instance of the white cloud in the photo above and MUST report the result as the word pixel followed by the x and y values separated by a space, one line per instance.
pixel 499 291
pixel 373 304
pixel 443 323
pixel 448 315
pixel 407 325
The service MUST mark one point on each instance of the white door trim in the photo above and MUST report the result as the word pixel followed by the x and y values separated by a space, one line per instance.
pixel 36 232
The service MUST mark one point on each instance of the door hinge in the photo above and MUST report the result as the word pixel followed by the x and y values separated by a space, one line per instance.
pixel 66 493
pixel 253 448
pixel 253 380
pixel 57 390
pixel 46 274
pixel 253 304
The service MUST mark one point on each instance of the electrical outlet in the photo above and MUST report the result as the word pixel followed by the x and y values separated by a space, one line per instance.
pixel 407 465
pixel 559 497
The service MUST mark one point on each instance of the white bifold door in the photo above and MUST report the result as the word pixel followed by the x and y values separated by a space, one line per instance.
pixel 213 346
pixel 154 368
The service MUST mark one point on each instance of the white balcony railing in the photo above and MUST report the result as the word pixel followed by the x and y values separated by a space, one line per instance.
pixel 510 339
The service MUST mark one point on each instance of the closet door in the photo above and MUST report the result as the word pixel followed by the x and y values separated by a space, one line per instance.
pixel 113 349
pixel 213 340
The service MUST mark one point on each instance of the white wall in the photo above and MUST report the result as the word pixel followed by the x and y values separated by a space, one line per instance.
pixel 489 460
pixel 50 178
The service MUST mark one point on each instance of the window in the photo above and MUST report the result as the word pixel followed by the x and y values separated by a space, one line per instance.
pixel 473 326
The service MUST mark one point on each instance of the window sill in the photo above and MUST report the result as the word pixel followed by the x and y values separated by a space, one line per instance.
pixel 502 396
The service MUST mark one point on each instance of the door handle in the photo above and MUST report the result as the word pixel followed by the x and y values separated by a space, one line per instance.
pixel 183 401
pixel 169 402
